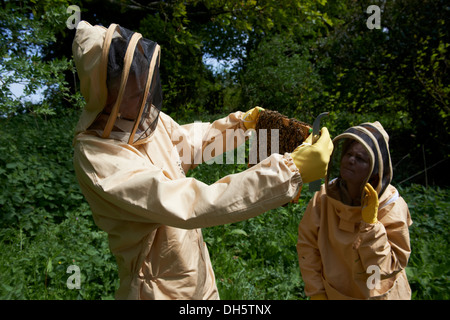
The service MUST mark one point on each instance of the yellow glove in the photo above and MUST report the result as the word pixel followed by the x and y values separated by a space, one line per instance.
pixel 320 296
pixel 250 117
pixel 370 205
pixel 312 160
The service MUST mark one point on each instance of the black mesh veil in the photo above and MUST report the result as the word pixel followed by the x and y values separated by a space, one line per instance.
pixel 134 88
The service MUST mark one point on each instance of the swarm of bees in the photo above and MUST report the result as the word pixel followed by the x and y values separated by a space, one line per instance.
pixel 291 132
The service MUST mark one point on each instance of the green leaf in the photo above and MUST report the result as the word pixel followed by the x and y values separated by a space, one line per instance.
pixel 238 232
pixel 49 267
pixel 11 165
pixel 327 19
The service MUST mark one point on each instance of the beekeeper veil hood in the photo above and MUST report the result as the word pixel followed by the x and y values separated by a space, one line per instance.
pixel 119 77
pixel 375 141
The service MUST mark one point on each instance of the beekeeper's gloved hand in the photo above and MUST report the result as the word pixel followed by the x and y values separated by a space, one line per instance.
pixel 250 117
pixel 312 160
pixel 370 205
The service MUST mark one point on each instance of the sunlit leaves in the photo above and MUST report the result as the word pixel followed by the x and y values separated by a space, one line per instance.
pixel 27 29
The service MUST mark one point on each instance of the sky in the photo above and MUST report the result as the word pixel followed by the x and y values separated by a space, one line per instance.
pixel 17 90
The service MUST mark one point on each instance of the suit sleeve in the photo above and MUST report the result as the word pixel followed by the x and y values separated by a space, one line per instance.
pixel 201 141
pixel 120 184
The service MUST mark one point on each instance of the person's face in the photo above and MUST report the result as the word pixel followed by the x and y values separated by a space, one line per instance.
pixel 131 101
pixel 355 165
pixel 131 107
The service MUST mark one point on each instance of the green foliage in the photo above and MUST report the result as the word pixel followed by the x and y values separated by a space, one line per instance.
pixel 428 268
pixel 430 69
pixel 36 171
pixel 46 225
pixel 397 71
pixel 395 68
pixel 257 259
pixel 232 29
pixel 396 75
pixel 183 74
pixel 35 267
pixel 280 76
pixel 187 30
pixel 27 28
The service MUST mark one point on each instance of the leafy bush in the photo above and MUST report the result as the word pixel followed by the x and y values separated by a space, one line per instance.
pixel 35 267
pixel 428 269
pixel 280 76
pixel 28 30
pixel 46 224
pixel 36 171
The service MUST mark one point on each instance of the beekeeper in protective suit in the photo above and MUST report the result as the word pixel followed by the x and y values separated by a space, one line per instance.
pixel 353 239
pixel 130 160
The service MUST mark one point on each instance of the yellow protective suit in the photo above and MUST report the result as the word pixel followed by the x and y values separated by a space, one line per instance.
pixel 340 255
pixel 140 196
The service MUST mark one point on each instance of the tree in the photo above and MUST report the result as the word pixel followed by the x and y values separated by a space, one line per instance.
pixel 398 72
pixel 187 30
pixel 281 75
pixel 27 29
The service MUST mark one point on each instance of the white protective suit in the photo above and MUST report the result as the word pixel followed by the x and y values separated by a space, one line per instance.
pixel 341 256
pixel 138 191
